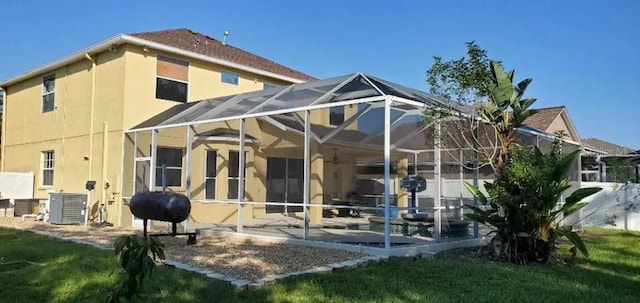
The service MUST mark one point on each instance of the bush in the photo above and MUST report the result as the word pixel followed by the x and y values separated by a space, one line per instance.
pixel 522 207
pixel 138 256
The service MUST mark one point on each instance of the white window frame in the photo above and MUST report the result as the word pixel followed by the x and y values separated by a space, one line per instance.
pixel 48 164
pixel 266 86
pixel 47 93
pixel 159 166
pixel 215 177
pixel 229 178
pixel 222 73
pixel 155 82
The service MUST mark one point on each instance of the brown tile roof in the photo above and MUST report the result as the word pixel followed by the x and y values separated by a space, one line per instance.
pixel 196 42
pixel 605 147
pixel 543 118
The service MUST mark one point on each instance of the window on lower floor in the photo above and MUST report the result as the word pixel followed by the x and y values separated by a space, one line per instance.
pixel 234 174
pixel 285 183
pixel 589 176
pixel 47 167
pixel 211 171
pixel 171 160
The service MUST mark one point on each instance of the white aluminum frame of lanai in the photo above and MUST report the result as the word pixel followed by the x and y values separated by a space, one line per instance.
pixel 304 97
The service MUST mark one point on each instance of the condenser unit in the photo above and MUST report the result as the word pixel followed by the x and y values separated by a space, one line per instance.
pixel 67 208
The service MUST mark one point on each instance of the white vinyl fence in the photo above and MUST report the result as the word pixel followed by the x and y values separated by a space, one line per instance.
pixel 616 206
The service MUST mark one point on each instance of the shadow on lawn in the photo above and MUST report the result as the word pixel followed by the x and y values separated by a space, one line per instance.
pixel 77 273
pixel 406 280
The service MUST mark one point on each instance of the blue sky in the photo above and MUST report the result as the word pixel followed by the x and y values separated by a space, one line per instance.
pixel 583 54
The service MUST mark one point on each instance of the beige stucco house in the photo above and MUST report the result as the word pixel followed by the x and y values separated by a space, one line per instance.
pixel 65 120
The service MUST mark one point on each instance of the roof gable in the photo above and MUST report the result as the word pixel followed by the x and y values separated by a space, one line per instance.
pixel 543 119
pixel 199 43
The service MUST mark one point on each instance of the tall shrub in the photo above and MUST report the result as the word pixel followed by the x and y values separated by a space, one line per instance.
pixel 522 208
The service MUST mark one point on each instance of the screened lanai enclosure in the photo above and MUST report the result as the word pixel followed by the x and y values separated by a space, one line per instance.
pixel 331 161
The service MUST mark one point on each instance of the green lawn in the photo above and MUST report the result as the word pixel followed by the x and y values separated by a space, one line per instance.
pixel 75 273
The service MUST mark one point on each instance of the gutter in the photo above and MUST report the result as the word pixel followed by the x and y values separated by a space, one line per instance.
pixel 122 39
pixel 527 130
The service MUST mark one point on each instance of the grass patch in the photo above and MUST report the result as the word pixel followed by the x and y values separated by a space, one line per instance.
pixel 78 273
pixel 75 273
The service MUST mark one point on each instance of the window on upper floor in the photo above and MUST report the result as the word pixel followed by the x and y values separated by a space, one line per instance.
pixel 48 93
pixel 47 167
pixel 336 115
pixel 172 79
pixel 268 86
pixel 229 77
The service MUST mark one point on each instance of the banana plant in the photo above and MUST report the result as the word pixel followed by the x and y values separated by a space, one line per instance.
pixel 506 110
pixel 523 210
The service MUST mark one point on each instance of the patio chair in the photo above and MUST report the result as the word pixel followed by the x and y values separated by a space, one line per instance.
pixel 355 200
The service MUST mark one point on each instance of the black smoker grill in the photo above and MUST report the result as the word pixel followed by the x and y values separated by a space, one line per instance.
pixel 162 206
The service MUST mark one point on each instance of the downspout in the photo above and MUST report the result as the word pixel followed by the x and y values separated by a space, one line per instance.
pixel 105 162
pixel 64 122
pixel 91 117
pixel 4 127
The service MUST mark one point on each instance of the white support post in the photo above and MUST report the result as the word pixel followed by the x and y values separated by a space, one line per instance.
pixel 476 172
pixel 387 172
pixel 188 169
pixel 437 228
pixel 154 158
pixel 415 171
pixel 135 166
pixel 461 184
pixel 307 173
pixel 241 174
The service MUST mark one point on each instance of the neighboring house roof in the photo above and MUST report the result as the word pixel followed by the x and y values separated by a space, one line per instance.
pixel 182 42
pixel 543 119
pixel 604 147
pixel 196 42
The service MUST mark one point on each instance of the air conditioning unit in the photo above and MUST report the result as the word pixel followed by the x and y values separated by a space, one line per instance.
pixel 67 208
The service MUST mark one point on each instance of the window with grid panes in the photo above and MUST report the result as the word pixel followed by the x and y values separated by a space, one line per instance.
pixel 48 93
pixel 211 172
pixel 47 167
